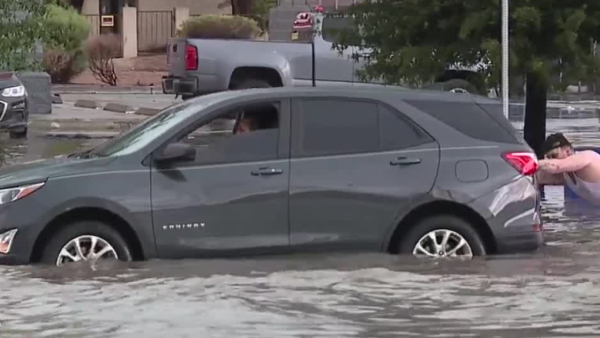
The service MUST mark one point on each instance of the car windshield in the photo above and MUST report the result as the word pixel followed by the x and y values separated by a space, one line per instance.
pixel 142 134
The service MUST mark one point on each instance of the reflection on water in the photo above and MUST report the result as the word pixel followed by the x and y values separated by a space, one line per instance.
pixel 549 293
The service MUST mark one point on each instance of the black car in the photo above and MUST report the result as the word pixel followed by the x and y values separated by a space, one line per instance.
pixel 284 170
pixel 14 115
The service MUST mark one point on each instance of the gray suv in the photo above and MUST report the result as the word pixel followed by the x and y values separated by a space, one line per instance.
pixel 283 170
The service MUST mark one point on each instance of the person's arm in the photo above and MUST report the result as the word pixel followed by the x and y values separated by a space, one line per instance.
pixel 569 164
pixel 545 178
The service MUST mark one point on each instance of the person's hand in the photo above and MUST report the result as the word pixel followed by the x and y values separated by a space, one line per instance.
pixel 547 165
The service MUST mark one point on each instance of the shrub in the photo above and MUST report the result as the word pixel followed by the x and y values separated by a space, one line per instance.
pixel 66 30
pixel 220 27
pixel 20 30
pixel 61 65
pixel 100 51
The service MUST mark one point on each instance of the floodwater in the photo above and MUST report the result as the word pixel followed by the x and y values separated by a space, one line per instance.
pixel 550 293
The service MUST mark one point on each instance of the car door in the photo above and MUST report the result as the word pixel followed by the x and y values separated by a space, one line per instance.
pixel 233 198
pixel 355 165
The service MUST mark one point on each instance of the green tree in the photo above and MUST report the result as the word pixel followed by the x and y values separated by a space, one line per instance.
pixel 410 41
pixel 22 33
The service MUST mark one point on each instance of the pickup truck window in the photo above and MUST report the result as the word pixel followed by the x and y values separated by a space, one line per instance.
pixel 249 133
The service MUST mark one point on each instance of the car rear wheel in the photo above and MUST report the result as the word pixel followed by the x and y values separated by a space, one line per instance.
pixel 89 241
pixel 442 236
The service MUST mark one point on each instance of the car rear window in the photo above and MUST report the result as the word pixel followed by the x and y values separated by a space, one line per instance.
pixel 494 110
pixel 470 119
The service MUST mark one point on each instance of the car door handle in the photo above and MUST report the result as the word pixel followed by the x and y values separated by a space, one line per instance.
pixel 267 172
pixel 405 161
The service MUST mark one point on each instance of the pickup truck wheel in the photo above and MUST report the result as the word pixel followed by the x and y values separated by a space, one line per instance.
pixel 250 83
pixel 442 236
pixel 455 86
pixel 89 241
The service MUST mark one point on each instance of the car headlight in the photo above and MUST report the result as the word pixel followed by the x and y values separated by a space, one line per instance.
pixel 14 194
pixel 6 240
pixel 17 91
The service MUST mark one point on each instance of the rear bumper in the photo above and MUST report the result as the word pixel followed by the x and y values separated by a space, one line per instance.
pixel 191 86
pixel 179 86
pixel 520 242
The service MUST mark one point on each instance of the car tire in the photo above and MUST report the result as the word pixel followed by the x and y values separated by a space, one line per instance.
pixel 440 225
pixel 187 97
pixel 84 230
pixel 251 83
pixel 18 134
pixel 460 86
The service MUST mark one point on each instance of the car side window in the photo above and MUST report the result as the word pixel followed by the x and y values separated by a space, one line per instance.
pixel 396 131
pixel 338 126
pixel 247 133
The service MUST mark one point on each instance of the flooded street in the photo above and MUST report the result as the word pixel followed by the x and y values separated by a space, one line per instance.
pixel 550 293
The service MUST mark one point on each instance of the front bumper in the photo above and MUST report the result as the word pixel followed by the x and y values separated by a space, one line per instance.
pixel 9 250
pixel 12 260
pixel 14 113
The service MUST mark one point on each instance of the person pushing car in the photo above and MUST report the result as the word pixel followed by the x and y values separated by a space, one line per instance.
pixel 562 165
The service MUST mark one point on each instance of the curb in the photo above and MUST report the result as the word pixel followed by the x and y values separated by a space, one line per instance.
pixel 111 106
pixel 87 104
pixel 91 89
pixel 147 111
pixel 118 108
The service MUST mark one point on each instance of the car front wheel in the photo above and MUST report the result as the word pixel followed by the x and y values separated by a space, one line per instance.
pixel 442 236
pixel 88 241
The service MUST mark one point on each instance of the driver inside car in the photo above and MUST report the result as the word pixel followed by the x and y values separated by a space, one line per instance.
pixel 256 118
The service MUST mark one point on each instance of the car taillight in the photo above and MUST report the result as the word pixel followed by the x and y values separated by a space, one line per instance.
pixel 191 57
pixel 526 163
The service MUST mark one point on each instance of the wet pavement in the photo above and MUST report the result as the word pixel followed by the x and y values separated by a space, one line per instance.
pixel 550 293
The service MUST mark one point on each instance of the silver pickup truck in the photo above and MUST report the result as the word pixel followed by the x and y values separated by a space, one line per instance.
pixel 203 66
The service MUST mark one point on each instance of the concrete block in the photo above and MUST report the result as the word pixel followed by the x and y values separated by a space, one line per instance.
pixel 86 104
pixel 117 108
pixel 56 99
pixel 39 88
pixel 147 111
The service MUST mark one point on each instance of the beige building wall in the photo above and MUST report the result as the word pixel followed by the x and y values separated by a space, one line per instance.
pixel 196 6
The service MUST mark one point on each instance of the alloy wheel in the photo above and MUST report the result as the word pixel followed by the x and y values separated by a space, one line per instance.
pixel 443 243
pixel 86 248
pixel 459 91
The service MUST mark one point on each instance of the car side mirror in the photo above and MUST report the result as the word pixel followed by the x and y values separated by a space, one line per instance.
pixel 176 152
